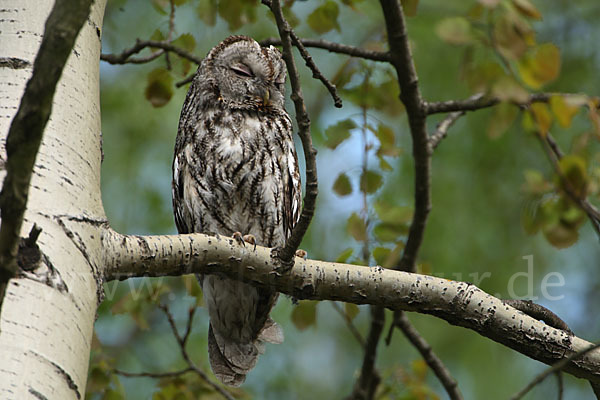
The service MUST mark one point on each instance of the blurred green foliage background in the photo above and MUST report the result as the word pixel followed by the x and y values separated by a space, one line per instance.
pixel 474 232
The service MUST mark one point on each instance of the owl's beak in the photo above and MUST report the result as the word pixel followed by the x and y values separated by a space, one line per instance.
pixel 266 97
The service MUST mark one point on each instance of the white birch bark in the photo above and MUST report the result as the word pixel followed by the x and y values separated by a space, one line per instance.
pixel 47 317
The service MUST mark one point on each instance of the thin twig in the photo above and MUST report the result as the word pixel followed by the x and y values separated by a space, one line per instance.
pixel 555 368
pixel 369 378
pixel 153 374
pixel 555 154
pixel 539 312
pixel 315 70
pixel 432 360
pixel 349 324
pixel 286 254
pixel 26 130
pixel 332 47
pixel 443 127
pixel 472 104
pixel 171 30
pixel 402 60
pixel 182 341
pixel 560 388
pixel 125 56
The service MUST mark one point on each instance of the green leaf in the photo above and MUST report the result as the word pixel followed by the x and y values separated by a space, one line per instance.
pixel 540 66
pixel 206 10
pixel 344 255
pixel 542 117
pixel 193 289
pixel 393 214
pixel 381 254
pixel 305 314
pixel 526 8
pixel 159 87
pixel 342 185
pixel 356 227
pixel 187 43
pixel 351 310
pixel 389 232
pixel 454 30
pixel 410 7
pixel 387 140
pixel 324 18
pixel 563 110
pixel 574 171
pixel 535 183
pixel 370 181
pixel 237 13
pixel 502 119
pixel 512 36
pixel 506 88
pixel 336 134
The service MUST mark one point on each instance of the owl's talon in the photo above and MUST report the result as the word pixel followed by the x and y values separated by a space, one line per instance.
pixel 237 236
pixel 250 239
pixel 301 253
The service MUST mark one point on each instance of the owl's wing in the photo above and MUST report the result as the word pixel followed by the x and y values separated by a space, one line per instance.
pixel 292 193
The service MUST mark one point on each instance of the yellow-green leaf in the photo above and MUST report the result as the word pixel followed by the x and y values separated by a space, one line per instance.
pixel 336 134
pixel 342 185
pixel 526 8
pixel 540 66
pixel 454 30
pixel 351 310
pixel 563 111
pixel 410 7
pixel 505 88
pixel 324 18
pixel 206 10
pixel 159 87
pixel 573 170
pixel 370 181
pixel 542 117
pixel 502 119
pixel 305 314
pixel 344 255
pixel 356 227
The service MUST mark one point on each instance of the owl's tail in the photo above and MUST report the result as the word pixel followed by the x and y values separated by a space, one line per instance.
pixel 231 361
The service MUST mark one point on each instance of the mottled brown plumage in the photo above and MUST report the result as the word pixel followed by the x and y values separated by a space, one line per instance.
pixel 235 170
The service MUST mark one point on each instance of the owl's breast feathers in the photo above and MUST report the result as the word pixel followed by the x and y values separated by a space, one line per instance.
pixel 236 170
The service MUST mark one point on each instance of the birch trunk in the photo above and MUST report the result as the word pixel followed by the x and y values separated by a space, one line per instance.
pixel 48 314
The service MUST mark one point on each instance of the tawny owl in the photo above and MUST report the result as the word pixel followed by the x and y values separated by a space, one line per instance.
pixel 235 170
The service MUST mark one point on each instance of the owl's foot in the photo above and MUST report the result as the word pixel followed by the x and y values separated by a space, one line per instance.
pixel 301 253
pixel 242 240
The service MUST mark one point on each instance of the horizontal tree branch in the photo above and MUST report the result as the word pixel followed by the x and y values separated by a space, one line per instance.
pixel 336 48
pixel 125 56
pixel 459 303
pixel 479 101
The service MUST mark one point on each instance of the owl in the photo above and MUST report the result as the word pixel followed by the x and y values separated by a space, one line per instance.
pixel 235 172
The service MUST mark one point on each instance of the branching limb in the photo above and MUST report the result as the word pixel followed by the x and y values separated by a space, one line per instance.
pixel 336 48
pixel 181 340
pixel 157 375
pixel 459 303
pixel 315 70
pixel 401 59
pixel 443 127
pixel 474 103
pixel 286 255
pixel 125 57
pixel 432 360
pixel 555 154
pixel 539 312
pixel 26 130
pixel 555 368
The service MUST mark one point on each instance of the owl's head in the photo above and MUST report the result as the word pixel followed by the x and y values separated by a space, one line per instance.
pixel 245 74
